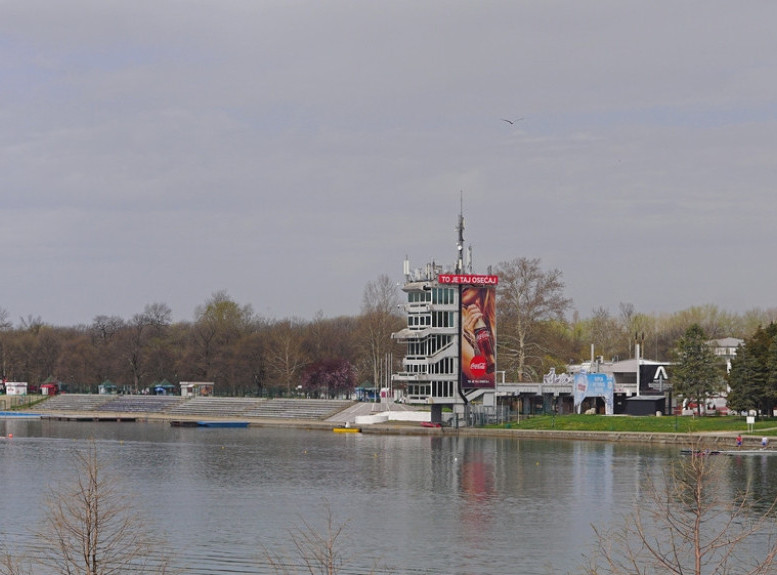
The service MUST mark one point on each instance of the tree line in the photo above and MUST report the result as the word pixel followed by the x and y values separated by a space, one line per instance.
pixel 538 329
pixel 227 343
pixel 246 354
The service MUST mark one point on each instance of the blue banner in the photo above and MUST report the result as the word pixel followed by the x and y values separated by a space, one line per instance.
pixel 594 385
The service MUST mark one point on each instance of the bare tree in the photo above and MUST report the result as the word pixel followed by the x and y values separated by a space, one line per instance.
pixel 90 527
pixel 605 333
pixel 527 296
pixel 285 352
pixel 379 318
pixel 77 363
pixel 627 313
pixel 316 551
pixel 5 325
pixel 138 332
pixel 689 522
pixel 12 565
pixel 328 338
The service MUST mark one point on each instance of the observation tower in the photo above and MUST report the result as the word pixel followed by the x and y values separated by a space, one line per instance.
pixel 450 337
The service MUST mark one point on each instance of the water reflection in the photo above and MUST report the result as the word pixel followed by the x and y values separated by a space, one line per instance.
pixel 443 505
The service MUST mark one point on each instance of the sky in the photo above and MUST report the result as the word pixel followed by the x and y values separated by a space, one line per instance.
pixel 289 152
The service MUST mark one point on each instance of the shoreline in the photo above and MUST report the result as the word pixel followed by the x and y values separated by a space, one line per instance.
pixel 410 429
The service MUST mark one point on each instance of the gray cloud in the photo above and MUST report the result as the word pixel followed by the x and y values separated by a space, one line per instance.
pixel 289 152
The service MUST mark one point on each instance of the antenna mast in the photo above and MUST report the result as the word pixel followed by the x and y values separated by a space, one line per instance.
pixel 460 243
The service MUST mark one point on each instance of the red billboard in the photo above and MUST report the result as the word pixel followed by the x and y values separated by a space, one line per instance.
pixel 478 335
pixel 467 279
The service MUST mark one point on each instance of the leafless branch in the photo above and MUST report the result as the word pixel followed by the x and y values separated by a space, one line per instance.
pixel 689 522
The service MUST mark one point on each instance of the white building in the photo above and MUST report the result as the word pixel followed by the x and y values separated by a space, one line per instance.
pixel 725 349
pixel 196 388
pixel 430 368
pixel 16 388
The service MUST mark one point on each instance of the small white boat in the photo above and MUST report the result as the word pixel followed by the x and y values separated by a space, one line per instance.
pixel 763 451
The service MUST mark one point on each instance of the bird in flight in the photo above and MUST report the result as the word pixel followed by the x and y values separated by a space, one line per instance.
pixel 512 122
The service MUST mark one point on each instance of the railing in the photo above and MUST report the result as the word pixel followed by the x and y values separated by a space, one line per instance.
pixel 481 415
pixel 8 402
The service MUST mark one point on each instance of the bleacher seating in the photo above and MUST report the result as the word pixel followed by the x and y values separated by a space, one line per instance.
pixel 141 403
pixel 215 406
pixel 205 407
pixel 73 402
pixel 299 408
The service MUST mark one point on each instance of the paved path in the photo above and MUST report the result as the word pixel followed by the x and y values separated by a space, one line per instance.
pixel 364 408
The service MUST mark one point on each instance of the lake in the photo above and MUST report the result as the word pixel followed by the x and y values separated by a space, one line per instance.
pixel 412 505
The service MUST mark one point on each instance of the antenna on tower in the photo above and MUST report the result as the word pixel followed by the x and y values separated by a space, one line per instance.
pixel 460 243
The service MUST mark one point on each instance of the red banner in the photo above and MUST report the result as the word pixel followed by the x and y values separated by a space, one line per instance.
pixel 467 279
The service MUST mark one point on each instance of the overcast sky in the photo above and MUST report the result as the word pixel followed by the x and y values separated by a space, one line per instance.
pixel 289 152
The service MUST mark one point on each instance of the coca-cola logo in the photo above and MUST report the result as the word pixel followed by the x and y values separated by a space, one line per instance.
pixel 477 366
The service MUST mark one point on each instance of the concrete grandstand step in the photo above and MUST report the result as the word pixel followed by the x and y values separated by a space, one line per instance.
pixel 205 407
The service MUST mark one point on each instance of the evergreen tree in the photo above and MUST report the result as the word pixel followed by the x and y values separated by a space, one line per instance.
pixel 696 375
pixel 753 376
pixel 744 381
pixel 771 372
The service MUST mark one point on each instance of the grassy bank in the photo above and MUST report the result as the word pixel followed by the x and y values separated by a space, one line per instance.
pixel 649 424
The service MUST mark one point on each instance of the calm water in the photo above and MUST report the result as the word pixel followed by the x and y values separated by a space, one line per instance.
pixel 414 505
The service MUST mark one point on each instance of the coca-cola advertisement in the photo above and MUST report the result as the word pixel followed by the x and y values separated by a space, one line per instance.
pixel 478 337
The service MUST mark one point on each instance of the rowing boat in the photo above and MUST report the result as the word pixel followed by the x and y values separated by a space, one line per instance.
pixel 729 451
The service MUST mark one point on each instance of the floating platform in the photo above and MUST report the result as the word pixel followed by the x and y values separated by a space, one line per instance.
pixel 88 418
pixel 19 415
pixel 224 424
pixel 220 424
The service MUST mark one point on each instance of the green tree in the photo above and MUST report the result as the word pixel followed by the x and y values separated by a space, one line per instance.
pixel 753 375
pixel 745 381
pixel 696 375
pixel 771 372
pixel 218 326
